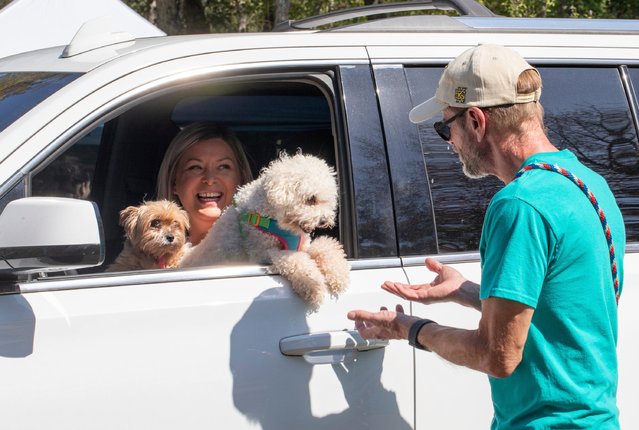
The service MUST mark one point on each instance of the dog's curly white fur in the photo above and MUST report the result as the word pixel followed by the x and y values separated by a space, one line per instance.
pixel 299 193
pixel 155 235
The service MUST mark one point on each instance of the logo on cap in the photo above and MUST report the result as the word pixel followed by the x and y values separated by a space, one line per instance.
pixel 460 94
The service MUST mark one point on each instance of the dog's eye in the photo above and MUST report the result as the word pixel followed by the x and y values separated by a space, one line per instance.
pixel 312 200
pixel 156 223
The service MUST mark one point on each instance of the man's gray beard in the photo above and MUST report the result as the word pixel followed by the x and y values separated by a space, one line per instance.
pixel 473 174
pixel 474 168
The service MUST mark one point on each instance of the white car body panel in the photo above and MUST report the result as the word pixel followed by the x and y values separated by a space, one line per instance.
pixel 195 354
pixel 431 372
pixel 627 345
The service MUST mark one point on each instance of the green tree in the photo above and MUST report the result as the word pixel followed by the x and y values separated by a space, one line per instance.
pixel 565 8
pixel 199 16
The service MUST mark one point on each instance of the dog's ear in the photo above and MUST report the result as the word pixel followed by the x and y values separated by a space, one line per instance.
pixel 184 219
pixel 279 185
pixel 129 219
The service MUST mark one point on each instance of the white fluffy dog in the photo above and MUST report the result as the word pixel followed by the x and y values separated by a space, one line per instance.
pixel 271 221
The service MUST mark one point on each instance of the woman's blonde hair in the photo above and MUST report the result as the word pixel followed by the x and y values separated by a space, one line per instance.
pixel 189 136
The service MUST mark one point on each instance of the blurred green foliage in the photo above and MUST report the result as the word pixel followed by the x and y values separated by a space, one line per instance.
pixel 195 16
pixel 216 16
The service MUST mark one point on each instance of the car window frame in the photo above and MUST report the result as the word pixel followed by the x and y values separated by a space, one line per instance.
pixel 129 99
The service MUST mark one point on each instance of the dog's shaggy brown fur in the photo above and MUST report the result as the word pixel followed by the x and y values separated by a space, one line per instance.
pixel 155 235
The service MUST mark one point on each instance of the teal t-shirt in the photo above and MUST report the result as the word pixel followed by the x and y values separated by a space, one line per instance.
pixel 543 245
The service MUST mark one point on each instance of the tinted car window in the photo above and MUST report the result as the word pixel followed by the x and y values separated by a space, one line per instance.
pixel 586 111
pixel 459 203
pixel 19 92
pixel 71 174
pixel 411 195
pixel 373 207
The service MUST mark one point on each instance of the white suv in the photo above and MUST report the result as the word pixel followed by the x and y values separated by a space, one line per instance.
pixel 233 347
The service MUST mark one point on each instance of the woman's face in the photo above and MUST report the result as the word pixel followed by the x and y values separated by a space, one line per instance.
pixel 206 178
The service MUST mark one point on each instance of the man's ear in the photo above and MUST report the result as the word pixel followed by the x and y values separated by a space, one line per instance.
pixel 477 122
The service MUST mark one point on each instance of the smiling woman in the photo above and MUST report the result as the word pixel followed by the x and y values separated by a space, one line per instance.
pixel 203 166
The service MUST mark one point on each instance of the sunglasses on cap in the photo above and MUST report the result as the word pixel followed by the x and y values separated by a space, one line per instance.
pixel 442 128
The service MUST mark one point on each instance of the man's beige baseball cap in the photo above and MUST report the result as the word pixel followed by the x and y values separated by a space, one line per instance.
pixel 483 76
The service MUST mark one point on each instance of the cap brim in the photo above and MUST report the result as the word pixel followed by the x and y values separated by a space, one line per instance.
pixel 425 111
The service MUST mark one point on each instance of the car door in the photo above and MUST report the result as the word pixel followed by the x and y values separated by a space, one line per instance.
pixel 202 347
pixel 599 125
pixel 596 125
pixel 421 175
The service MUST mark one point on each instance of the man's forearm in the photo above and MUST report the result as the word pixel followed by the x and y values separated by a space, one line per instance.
pixel 459 346
pixel 495 347
pixel 468 295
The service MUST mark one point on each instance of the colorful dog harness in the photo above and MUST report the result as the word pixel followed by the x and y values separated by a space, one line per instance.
pixel 604 223
pixel 270 226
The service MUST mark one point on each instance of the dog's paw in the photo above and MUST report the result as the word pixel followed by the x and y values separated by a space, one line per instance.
pixel 330 258
pixel 305 277
pixel 312 294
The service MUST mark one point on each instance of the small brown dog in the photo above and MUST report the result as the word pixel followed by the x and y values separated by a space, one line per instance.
pixel 155 235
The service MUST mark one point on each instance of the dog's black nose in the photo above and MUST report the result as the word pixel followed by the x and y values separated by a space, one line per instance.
pixel 169 238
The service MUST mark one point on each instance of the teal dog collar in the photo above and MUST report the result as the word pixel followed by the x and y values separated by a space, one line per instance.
pixel 267 225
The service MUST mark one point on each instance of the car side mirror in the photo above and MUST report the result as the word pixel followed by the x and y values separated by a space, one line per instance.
pixel 50 234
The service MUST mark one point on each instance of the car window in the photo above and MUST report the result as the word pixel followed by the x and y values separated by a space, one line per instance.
pixel 459 203
pixel 71 174
pixel 116 164
pixel 411 196
pixel 586 111
pixel 19 92
pixel 633 72
pixel 268 118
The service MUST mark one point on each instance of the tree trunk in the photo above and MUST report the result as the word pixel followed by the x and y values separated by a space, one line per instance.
pixel 191 15
pixel 166 16
pixel 282 8
pixel 179 16
pixel 153 14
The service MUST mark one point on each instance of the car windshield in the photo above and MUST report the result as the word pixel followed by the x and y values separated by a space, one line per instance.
pixel 21 91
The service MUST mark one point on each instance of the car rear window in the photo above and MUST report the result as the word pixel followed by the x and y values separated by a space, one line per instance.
pixel 20 92
pixel 586 111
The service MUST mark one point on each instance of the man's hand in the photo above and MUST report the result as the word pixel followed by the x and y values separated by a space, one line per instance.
pixel 384 324
pixel 444 287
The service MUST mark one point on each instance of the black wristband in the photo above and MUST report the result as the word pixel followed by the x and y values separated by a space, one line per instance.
pixel 414 331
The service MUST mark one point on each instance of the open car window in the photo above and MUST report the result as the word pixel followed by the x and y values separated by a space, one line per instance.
pixel 116 164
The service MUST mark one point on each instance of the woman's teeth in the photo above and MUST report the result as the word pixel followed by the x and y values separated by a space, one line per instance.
pixel 209 196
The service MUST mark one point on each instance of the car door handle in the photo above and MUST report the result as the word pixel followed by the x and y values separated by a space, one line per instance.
pixel 329 347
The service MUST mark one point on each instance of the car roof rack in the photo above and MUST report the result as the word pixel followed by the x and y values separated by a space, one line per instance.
pixel 463 8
